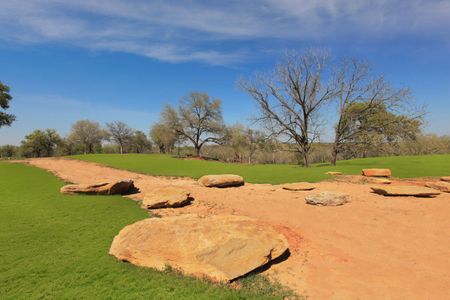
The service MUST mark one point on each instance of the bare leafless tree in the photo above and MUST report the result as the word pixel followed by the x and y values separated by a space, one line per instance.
pixel 291 97
pixel 359 95
pixel 120 133
pixel 197 120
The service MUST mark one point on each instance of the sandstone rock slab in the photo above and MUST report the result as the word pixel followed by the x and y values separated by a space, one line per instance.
pixel 104 188
pixel 413 191
pixel 445 178
pixel 328 199
pixel 219 247
pixel 379 180
pixel 298 186
pixel 221 181
pixel 333 173
pixel 377 172
pixel 440 186
pixel 167 197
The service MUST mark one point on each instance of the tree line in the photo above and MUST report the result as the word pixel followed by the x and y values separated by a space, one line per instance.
pixel 372 118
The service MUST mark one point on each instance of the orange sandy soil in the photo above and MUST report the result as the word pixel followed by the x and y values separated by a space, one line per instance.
pixel 375 247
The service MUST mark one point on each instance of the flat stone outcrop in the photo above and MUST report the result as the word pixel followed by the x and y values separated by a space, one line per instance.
pixel 377 172
pixel 328 199
pixel 445 178
pixel 298 186
pixel 104 188
pixel 440 186
pixel 377 180
pixel 410 190
pixel 220 247
pixel 333 173
pixel 221 181
pixel 167 197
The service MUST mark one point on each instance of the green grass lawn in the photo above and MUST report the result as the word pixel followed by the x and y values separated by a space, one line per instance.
pixel 56 247
pixel 156 164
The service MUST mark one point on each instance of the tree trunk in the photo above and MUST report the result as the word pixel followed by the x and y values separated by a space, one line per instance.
pixel 197 150
pixel 305 159
pixel 336 145
pixel 334 156
pixel 334 152
pixel 121 149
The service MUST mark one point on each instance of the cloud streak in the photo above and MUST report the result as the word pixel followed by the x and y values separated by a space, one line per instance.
pixel 213 32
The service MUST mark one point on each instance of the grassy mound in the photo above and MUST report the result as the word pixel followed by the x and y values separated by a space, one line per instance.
pixel 156 164
pixel 56 246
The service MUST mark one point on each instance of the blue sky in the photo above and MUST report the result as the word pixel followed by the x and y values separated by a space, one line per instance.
pixel 124 60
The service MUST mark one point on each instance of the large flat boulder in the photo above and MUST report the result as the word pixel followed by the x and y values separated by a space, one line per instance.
pixel 440 186
pixel 167 197
pixel 328 199
pixel 219 247
pixel 406 190
pixel 104 188
pixel 445 178
pixel 379 180
pixel 376 172
pixel 333 173
pixel 298 186
pixel 221 181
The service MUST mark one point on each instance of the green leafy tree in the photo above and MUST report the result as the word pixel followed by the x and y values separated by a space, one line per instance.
pixel 5 98
pixel 140 143
pixel 8 151
pixel 163 137
pixel 88 135
pixel 41 143
pixel 362 97
pixel 370 134
pixel 198 120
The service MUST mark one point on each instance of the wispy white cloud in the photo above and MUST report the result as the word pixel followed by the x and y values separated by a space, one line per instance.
pixel 214 32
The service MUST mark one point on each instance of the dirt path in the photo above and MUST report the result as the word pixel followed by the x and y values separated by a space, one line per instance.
pixel 372 248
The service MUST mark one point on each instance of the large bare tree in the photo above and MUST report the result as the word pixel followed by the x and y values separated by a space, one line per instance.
pixel 120 133
pixel 291 97
pixel 360 97
pixel 198 120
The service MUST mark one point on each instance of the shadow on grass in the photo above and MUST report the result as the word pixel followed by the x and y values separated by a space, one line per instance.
pixel 324 165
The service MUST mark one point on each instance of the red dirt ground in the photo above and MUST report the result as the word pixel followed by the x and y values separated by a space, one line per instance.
pixel 372 248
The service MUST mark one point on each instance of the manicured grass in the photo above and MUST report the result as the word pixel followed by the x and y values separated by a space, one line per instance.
pixel 156 164
pixel 56 247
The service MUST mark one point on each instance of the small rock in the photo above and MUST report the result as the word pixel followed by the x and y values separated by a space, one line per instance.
pixel 333 173
pixel 298 186
pixel 105 188
pixel 440 186
pixel 376 172
pixel 445 178
pixel 220 247
pixel 407 190
pixel 167 197
pixel 221 181
pixel 328 199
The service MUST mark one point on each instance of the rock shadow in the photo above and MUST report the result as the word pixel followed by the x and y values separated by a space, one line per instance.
pixel 267 266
